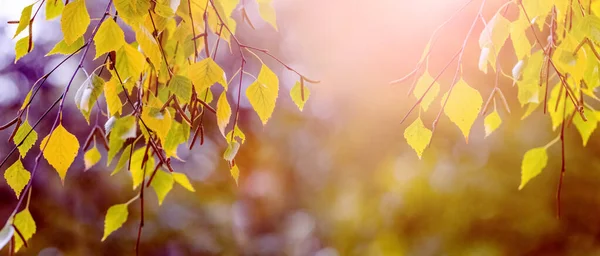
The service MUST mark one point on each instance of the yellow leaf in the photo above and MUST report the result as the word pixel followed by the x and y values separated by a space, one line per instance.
pixel 534 162
pixel 112 88
pixel 26 225
pixel 206 96
pixel 538 10
pixel 158 121
pixel 223 113
pixel 235 173
pixel 181 86
pixel 518 36
pixel 17 177
pixel 60 149
pixel 585 128
pixel 557 111
pixel 162 184
pixel 422 84
pixel 149 46
pixel 91 157
pixel 178 134
pixel 492 122
pixel 28 141
pixel 463 106
pixel 238 134
pixel 493 37
pixel 24 20
pixel 109 37
pixel 529 85
pixel 262 94
pixel 74 21
pixel 123 160
pixel 297 92
pixel 183 180
pixel 26 100
pixel 530 108
pixel 137 172
pixel 123 129
pixel 205 73
pixel 54 8
pixel 63 48
pixel 130 62
pixel 133 12
pixel 267 12
pixel 22 48
pixel 115 217
pixel 418 136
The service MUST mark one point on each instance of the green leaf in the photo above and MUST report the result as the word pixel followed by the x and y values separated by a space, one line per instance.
pixel 115 217
pixel 183 180
pixel 17 177
pixel 223 113
pixel 26 225
pixel 24 20
pixel 60 149
pixel 74 21
pixel 110 37
pixel 262 94
pixel 54 8
pixel 162 184
pixel 492 122
pixel 534 162
pixel 29 140
pixel 463 106
pixel 91 157
pixel 63 48
pixel 123 160
pixel 296 94
pixel 181 86
pixel 418 136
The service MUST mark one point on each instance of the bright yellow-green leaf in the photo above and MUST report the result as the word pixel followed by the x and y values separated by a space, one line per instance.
pixel 538 10
pixel 183 180
pixel 586 128
pixel 238 134
pixel 54 8
pixel 422 84
pixel 418 136
pixel 26 225
pixel 297 94
pixel 231 150
pixel 115 217
pixel 87 95
pixel 262 94
pixel 529 85
pixel 493 37
pixel 110 37
pixel 205 73
pixel 149 46
pixel 235 173
pixel 130 62
pixel 123 160
pixel 492 122
pixel 518 36
pixel 22 48
pixel 178 134
pixel 123 129
pixel 530 108
pixel 28 141
pixel 223 112
pixel 26 100
pixel 463 106
pixel 181 86
pixel 162 184
pixel 557 111
pixel 158 121
pixel 133 12
pixel 64 48
pixel 91 157
pixel 60 149
pixel 534 162
pixel 267 12
pixel 74 21
pixel 137 172
pixel 24 20
pixel 17 177
pixel 112 88
pixel 206 96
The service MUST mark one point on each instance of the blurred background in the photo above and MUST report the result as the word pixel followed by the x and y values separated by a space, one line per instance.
pixel 335 179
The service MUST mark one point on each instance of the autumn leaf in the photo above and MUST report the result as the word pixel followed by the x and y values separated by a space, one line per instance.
pixel 26 225
pixel 162 184
pixel 17 177
pixel 183 180
pixel 492 122
pixel 91 157
pixel 74 21
pixel 28 141
pixel 115 217
pixel 463 106
pixel 109 37
pixel 423 83
pixel 223 113
pixel 22 48
pixel 263 93
pixel 534 162
pixel 24 20
pixel 300 95
pixel 60 149
pixel 54 8
pixel 206 73
pixel 418 136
